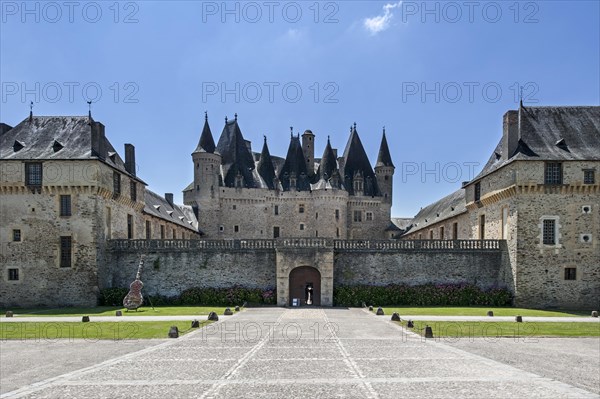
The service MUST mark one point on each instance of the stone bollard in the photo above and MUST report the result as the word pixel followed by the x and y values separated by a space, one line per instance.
pixel 213 316
pixel 395 317
pixel 410 324
pixel 519 319
pixel 490 313
pixel 428 332
pixel 195 324
pixel 227 312
pixel 237 308
pixel 370 308
pixel 118 313
pixel 174 332
pixel 594 314
pixel 10 313
pixel 85 319
pixel 379 311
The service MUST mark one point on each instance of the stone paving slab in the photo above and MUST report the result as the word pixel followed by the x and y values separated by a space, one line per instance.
pixel 360 356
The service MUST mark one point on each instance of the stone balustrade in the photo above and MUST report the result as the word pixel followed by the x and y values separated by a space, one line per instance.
pixel 283 243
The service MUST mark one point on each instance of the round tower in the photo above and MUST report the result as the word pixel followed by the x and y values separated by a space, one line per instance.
pixel 308 148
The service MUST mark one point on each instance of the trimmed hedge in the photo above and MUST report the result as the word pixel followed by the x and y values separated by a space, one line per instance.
pixel 421 295
pixel 197 297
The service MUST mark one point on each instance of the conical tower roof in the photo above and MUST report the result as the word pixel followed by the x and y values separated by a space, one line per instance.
pixel 356 160
pixel 265 166
pixel 384 158
pixel 206 143
pixel 235 155
pixel 294 166
pixel 328 163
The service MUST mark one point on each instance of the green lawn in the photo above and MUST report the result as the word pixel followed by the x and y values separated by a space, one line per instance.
pixel 110 311
pixel 452 329
pixel 481 311
pixel 49 331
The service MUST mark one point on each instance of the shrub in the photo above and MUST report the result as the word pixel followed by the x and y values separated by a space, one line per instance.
pixel 421 295
pixel 112 296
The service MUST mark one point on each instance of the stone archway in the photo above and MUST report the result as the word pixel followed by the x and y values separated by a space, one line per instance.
pixel 302 280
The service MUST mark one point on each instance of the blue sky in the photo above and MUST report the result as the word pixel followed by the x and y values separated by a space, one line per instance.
pixel 438 75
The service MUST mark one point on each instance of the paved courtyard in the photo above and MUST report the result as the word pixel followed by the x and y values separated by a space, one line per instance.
pixel 298 353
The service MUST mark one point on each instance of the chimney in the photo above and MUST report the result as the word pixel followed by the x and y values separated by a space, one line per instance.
pixel 169 198
pixel 4 128
pixel 130 159
pixel 98 140
pixel 510 134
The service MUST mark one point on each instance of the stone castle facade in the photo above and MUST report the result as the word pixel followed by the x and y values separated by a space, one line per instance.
pixel 76 217
pixel 237 193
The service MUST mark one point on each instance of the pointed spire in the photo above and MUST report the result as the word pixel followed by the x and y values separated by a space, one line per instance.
pixel 89 109
pixel 356 160
pixel 384 158
pixel 265 166
pixel 328 164
pixel 294 165
pixel 206 143
pixel 235 156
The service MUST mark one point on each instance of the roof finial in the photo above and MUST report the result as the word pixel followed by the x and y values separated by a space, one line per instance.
pixel 328 138
pixel 384 130
pixel 206 116
pixel 235 115
pixel 225 119
pixel 291 131
pixel 31 112
pixel 354 125
pixel 89 103
pixel 265 138
pixel 521 97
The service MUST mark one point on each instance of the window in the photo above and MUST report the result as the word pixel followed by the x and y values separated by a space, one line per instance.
pixel 504 223
pixel 116 183
pixel 482 227
pixel 316 233
pixel 276 232
pixel 358 216
pixel 33 174
pixel 174 234
pixel 431 234
pixel 570 273
pixel 301 208
pixel 236 229
pixel 162 231
pixel 108 223
pixel 441 232
pixel 221 229
pixel 65 251
pixel 234 207
pixel 455 231
pixel 553 173
pixel 420 236
pixel 65 205
pixel 130 226
pixel 337 232
pixel 148 230
pixel 16 235
pixel 133 190
pixel 477 191
pixel 589 177
pixel 317 215
pixel 549 232
pixel 13 274
pixel 337 213
pixel 369 216
pixel 358 186
pixel 301 226
pixel 276 210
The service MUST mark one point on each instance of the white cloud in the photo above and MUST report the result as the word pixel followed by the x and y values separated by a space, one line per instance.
pixel 381 22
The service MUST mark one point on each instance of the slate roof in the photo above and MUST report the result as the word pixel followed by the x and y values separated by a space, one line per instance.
pixel 294 166
pixel 56 138
pixel 384 158
pixel 236 158
pixel 265 167
pixel 328 163
pixel 206 143
pixel 541 132
pixel 356 160
pixel 449 206
pixel 158 206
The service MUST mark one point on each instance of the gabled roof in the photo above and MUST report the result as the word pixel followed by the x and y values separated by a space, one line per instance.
pixel 294 165
pixel 235 156
pixel 384 158
pixel 552 134
pixel 206 143
pixel 56 138
pixel 161 208
pixel 449 206
pixel 265 167
pixel 356 160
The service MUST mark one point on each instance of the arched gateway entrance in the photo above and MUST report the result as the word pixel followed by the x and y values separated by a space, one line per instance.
pixel 305 285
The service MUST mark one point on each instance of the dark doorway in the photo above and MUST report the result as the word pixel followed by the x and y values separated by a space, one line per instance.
pixel 305 283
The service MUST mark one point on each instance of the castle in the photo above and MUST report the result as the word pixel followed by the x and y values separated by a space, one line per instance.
pixel 237 193
pixel 76 216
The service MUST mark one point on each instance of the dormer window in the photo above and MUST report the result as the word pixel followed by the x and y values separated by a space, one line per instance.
pixel 57 146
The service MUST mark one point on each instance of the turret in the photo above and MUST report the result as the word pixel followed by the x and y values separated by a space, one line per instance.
pixel 384 169
pixel 308 148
